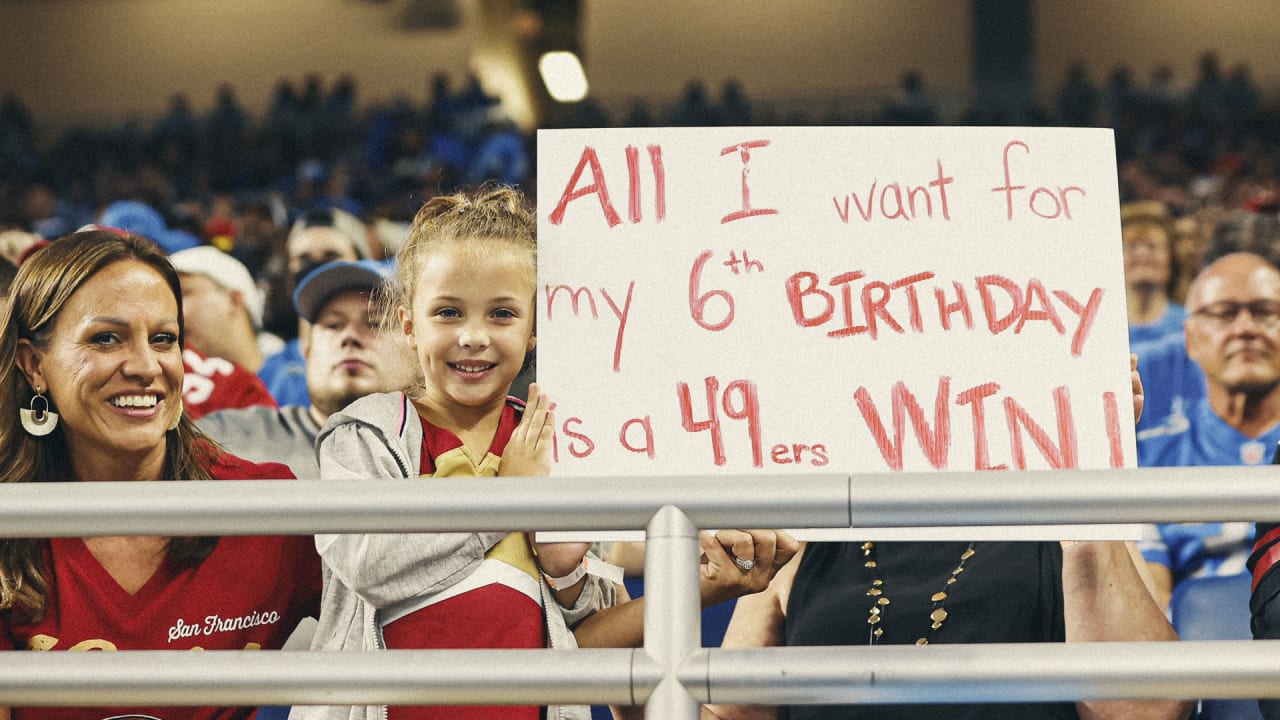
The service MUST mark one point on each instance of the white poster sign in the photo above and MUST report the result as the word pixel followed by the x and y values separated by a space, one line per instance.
pixel 871 299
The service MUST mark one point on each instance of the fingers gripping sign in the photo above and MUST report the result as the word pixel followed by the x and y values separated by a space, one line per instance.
pixel 1139 395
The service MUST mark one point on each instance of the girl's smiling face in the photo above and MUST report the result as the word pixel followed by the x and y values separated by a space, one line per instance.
pixel 112 366
pixel 470 325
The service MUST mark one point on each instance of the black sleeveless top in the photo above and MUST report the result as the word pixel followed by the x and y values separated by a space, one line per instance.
pixel 1009 592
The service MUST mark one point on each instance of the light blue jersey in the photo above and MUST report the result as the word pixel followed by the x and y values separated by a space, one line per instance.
pixel 1168 325
pixel 1200 437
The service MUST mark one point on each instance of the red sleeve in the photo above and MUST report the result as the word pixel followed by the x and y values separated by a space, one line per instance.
pixel 305 563
pixel 230 467
pixel 216 384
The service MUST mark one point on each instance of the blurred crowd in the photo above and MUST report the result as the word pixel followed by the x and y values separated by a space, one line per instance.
pixel 1203 147
pixel 251 210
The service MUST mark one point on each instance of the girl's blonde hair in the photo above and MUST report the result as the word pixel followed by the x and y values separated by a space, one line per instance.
pixel 475 222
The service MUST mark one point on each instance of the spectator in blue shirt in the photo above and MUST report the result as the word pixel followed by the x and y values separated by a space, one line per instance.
pixel 1233 335
pixel 1149 272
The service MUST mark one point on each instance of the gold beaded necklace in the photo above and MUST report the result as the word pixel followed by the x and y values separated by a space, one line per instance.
pixel 937 614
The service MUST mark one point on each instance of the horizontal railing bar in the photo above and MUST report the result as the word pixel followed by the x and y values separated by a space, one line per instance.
pixel 1022 672
pixel 251 507
pixel 942 673
pixel 1200 494
pixel 453 677
pixel 1155 495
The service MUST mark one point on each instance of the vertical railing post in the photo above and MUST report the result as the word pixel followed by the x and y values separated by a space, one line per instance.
pixel 672 610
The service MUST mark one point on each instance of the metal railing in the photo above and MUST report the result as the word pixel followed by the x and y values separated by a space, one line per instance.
pixel 672 675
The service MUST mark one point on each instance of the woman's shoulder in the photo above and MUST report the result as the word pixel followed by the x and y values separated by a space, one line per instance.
pixel 230 467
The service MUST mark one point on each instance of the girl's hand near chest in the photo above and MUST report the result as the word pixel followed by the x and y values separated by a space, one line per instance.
pixel 528 452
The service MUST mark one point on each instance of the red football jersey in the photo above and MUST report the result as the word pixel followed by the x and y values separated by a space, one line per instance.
pixel 249 594
pixel 214 383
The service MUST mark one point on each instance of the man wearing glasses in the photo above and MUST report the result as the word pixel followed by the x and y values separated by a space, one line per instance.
pixel 1233 334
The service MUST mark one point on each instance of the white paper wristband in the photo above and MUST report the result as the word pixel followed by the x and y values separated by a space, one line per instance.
pixel 560 583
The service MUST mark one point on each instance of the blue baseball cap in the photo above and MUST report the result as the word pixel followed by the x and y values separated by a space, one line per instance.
pixel 331 278
pixel 141 219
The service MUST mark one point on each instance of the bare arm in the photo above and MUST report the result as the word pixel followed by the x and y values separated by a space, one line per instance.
pixel 1162 589
pixel 1110 593
pixel 629 556
pixel 619 626
pixel 758 621
pixel 1158 577
pixel 623 625
pixel 557 560
pixel 1107 598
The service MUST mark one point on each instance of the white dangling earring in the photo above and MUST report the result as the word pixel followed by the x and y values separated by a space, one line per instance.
pixel 38 422
pixel 177 419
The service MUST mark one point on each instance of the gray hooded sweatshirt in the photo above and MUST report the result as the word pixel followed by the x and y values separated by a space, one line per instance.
pixel 379 437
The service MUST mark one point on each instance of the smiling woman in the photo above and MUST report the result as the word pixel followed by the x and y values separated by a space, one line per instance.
pixel 94 328
pixel 94 392
pixel 114 373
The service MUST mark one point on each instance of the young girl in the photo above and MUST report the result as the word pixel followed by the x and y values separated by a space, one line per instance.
pixel 466 279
